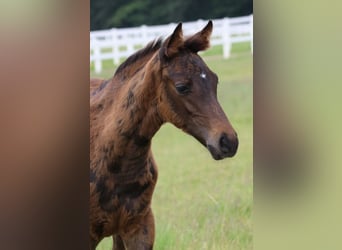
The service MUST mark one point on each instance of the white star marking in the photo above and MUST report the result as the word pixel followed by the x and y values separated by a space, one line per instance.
pixel 203 75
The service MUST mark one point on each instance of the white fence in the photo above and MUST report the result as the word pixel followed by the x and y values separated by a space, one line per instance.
pixel 120 43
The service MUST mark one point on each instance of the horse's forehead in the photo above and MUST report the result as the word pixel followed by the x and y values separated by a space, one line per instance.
pixel 190 64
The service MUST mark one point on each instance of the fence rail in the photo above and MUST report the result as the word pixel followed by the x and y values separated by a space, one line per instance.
pixel 119 43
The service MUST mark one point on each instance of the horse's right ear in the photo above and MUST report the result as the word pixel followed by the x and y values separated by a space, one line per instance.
pixel 174 43
pixel 201 40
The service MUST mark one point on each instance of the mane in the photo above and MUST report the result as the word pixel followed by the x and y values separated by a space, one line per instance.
pixel 150 48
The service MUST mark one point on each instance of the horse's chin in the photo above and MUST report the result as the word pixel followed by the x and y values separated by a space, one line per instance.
pixel 201 140
pixel 217 154
pixel 214 151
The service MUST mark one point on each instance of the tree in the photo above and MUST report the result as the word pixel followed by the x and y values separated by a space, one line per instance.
pixel 105 14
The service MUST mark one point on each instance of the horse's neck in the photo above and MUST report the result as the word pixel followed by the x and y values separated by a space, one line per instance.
pixel 130 122
pixel 136 113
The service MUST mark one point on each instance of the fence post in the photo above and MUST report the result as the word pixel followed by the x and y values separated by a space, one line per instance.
pixel 115 47
pixel 169 29
pixel 130 47
pixel 226 37
pixel 144 35
pixel 200 24
pixel 97 58
pixel 251 31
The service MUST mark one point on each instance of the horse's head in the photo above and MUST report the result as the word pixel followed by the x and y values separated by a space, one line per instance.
pixel 188 97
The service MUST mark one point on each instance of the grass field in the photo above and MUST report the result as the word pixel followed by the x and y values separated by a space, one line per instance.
pixel 200 203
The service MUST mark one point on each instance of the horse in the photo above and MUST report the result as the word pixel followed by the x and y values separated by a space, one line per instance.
pixel 166 81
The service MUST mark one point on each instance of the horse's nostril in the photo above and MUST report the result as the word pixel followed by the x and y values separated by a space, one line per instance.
pixel 224 144
pixel 228 146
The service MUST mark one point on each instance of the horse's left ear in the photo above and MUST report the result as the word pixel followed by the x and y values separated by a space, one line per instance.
pixel 201 40
pixel 174 43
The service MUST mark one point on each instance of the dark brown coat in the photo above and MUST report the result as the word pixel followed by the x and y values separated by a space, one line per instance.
pixel 164 82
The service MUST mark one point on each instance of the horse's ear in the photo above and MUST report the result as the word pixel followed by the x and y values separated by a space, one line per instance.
pixel 172 44
pixel 201 40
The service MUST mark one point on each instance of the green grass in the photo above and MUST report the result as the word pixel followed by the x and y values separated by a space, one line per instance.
pixel 200 203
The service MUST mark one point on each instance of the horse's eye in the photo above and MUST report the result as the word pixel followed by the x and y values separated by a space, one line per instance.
pixel 182 89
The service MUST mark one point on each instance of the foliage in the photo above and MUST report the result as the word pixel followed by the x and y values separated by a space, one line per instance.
pixel 119 13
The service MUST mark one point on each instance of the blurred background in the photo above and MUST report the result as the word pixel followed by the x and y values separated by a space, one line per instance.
pixel 106 14
pixel 198 203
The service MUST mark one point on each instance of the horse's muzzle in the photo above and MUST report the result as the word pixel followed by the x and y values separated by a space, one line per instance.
pixel 225 147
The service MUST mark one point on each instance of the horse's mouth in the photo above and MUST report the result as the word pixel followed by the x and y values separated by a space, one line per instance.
pixel 217 154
